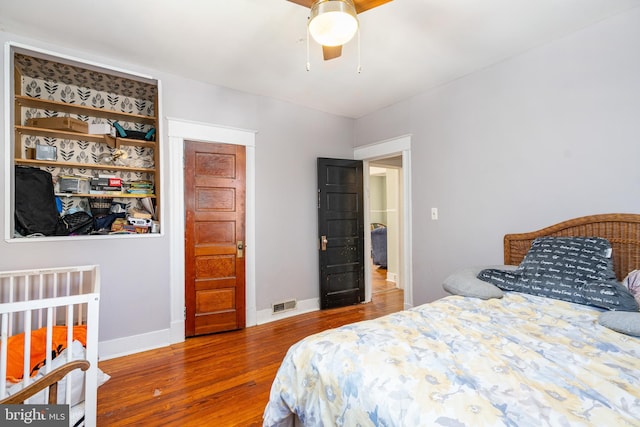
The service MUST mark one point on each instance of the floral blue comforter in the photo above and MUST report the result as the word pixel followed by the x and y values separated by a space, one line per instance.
pixel 517 361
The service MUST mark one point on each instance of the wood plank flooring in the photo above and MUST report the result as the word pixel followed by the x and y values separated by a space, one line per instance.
pixel 221 379
pixel 379 281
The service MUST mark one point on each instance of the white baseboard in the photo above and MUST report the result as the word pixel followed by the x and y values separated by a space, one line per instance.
pixel 176 332
pixel 392 277
pixel 303 306
pixel 134 344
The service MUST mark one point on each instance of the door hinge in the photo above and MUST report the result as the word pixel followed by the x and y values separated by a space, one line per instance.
pixel 184 314
pixel 318 198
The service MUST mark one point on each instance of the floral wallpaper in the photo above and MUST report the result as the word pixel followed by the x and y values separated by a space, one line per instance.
pixel 76 76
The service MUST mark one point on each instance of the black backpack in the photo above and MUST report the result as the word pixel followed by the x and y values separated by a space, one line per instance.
pixel 35 203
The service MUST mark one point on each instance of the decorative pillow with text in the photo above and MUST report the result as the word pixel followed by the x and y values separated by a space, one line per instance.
pixel 574 269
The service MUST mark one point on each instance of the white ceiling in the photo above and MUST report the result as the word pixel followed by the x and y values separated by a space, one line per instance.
pixel 259 46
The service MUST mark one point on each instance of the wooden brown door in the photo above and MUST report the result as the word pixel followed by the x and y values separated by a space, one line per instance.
pixel 214 237
pixel 341 232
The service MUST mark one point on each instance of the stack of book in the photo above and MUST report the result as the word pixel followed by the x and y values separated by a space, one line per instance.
pixel 140 187
pixel 106 184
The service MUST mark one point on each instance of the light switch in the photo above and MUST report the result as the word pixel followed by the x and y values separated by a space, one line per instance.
pixel 434 214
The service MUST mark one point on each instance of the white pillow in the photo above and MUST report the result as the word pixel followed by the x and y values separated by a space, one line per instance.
pixel 76 377
pixel 466 283
pixel 625 322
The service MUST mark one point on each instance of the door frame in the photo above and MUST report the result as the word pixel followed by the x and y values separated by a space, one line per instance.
pixel 380 150
pixel 178 131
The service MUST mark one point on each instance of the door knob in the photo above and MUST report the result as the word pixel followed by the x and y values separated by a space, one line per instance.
pixel 240 252
pixel 323 242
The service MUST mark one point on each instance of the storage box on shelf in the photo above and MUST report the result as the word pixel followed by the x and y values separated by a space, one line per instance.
pixel 59 123
pixel 56 103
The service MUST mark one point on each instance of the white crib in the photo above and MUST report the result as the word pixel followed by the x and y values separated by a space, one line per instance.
pixel 41 299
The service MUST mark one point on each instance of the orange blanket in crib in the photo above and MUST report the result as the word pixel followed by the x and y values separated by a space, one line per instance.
pixel 15 349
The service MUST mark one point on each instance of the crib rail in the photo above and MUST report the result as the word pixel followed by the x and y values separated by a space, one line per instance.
pixel 33 302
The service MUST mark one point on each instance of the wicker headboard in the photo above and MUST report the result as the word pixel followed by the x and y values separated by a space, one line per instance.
pixel 622 230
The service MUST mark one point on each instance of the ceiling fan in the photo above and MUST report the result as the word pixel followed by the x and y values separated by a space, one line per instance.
pixel 345 11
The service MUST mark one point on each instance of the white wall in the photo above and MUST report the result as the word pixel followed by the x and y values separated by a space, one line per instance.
pixel 546 136
pixel 134 307
pixel 378 199
pixel 288 141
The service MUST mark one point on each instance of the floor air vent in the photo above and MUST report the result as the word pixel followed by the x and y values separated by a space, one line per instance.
pixel 284 306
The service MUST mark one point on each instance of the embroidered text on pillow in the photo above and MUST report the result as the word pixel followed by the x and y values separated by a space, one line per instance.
pixel 574 269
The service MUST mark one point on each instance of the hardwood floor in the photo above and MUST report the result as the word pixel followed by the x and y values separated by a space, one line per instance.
pixel 379 281
pixel 218 380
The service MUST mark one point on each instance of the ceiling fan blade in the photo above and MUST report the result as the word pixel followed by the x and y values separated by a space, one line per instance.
pixel 331 52
pixel 361 5
pixel 305 3
pixel 364 5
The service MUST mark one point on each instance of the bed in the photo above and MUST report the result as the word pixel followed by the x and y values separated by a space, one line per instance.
pixel 510 359
pixel 49 336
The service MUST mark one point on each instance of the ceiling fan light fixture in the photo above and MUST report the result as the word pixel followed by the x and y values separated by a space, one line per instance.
pixel 333 22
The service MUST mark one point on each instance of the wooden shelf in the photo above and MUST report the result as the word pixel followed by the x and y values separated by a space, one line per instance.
pixel 135 142
pixel 43 104
pixel 45 163
pixel 108 196
pixel 77 136
pixel 62 134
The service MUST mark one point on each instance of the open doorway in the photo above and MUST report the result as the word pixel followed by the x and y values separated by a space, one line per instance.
pixel 384 218
pixel 382 153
